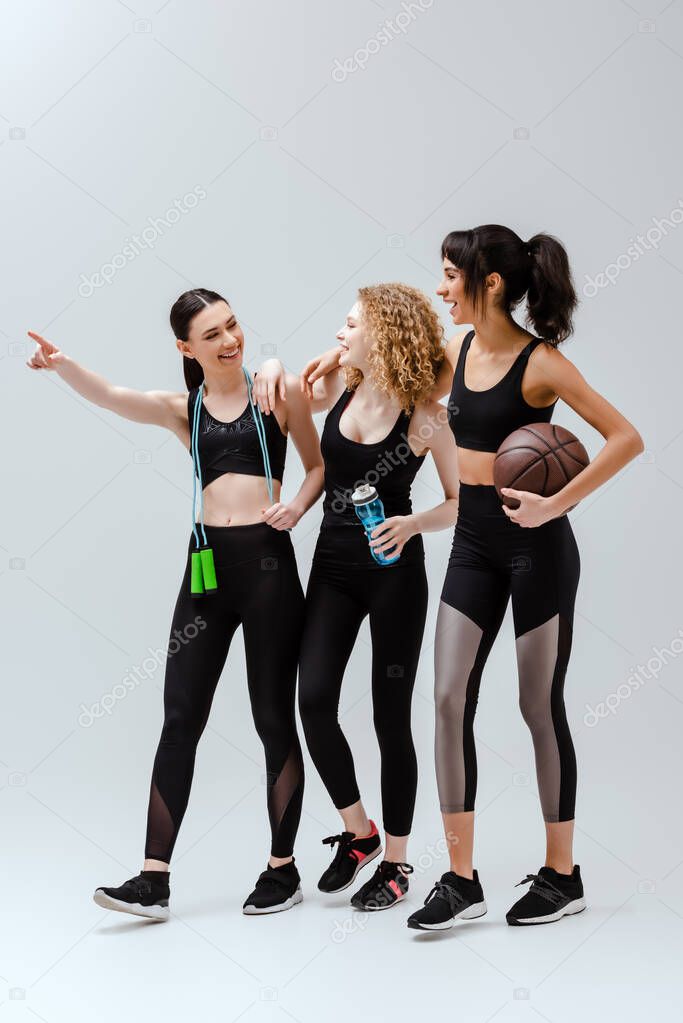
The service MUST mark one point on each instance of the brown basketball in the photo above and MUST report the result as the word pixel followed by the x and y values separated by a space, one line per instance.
pixel 540 458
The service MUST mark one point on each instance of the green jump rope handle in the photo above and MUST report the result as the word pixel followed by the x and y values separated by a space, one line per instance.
pixel 208 570
pixel 196 575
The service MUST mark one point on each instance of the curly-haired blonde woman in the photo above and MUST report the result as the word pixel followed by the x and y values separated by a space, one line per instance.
pixel 378 431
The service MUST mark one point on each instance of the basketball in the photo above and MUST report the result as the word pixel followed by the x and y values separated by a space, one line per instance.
pixel 541 458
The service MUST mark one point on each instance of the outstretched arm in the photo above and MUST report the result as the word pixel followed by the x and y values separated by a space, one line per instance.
pixel 161 408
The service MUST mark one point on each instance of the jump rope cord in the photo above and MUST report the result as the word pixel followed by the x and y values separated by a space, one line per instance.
pixel 261 431
pixel 194 445
pixel 198 470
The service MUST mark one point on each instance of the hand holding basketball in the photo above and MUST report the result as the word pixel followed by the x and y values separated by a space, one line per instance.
pixel 532 509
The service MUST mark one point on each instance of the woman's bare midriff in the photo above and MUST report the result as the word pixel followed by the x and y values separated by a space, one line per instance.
pixel 476 467
pixel 235 499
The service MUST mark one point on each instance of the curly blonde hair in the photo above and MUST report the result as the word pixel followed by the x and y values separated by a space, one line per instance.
pixel 407 342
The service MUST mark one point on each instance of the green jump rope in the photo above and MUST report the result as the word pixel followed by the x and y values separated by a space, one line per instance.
pixel 202 568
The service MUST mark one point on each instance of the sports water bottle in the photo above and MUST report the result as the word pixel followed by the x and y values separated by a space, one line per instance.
pixel 370 511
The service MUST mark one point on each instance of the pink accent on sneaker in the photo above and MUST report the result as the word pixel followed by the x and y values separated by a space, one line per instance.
pixel 396 890
pixel 357 855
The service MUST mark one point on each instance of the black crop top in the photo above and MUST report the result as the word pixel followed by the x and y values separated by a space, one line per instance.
pixel 481 420
pixel 389 465
pixel 234 446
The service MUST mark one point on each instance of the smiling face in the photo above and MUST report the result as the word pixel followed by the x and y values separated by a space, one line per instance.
pixel 215 339
pixel 452 291
pixel 354 341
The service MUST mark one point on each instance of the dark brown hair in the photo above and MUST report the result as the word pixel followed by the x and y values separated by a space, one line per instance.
pixel 183 311
pixel 537 269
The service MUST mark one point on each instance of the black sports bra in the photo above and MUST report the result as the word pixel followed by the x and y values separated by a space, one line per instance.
pixel 234 446
pixel 481 420
pixel 389 465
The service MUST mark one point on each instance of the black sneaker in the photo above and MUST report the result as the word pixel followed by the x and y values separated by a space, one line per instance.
pixel 452 898
pixel 145 895
pixel 387 886
pixel 353 854
pixel 550 897
pixel 277 888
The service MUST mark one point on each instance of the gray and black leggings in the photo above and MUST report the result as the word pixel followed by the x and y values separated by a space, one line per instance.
pixel 492 559
pixel 259 589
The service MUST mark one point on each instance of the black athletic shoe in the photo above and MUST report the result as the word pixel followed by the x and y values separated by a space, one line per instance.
pixel 277 888
pixel 145 895
pixel 550 897
pixel 452 898
pixel 387 886
pixel 353 854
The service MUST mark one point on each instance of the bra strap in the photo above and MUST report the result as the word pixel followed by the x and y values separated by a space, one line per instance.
pixel 462 355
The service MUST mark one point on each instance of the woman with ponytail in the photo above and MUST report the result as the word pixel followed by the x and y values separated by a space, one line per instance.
pixel 500 377
pixel 239 570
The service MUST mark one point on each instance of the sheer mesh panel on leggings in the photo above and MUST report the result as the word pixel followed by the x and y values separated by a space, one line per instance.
pixel 281 794
pixel 458 669
pixel 542 657
pixel 160 826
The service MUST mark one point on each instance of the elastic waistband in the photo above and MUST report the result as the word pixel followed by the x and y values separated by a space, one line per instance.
pixel 232 544
pixel 480 497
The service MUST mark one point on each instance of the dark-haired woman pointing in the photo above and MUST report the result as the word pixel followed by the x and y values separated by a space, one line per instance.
pixel 501 377
pixel 241 562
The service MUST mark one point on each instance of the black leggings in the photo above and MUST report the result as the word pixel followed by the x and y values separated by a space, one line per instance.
pixel 492 559
pixel 259 588
pixel 345 585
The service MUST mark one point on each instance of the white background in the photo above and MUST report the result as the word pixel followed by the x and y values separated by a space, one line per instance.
pixel 544 116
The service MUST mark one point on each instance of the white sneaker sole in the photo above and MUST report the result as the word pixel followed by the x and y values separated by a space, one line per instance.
pixel 293 900
pixel 363 863
pixel 472 912
pixel 577 906
pixel 134 908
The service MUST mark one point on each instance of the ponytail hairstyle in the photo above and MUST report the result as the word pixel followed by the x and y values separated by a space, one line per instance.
pixel 183 311
pixel 537 269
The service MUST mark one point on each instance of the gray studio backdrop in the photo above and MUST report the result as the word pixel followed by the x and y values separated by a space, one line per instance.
pixel 286 153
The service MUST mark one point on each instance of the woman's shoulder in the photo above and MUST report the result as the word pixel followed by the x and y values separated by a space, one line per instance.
pixel 453 346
